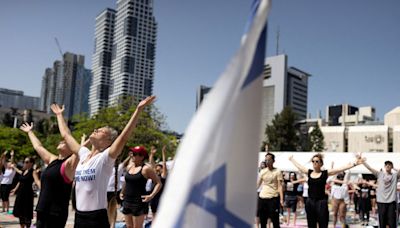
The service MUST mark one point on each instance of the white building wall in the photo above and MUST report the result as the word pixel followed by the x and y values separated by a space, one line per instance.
pixel 392 118
pixel 396 138
pixel 273 90
pixel 334 140
pixel 368 138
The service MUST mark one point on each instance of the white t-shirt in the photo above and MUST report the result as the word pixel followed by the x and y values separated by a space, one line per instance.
pixel 91 179
pixel 340 192
pixel 111 182
pixel 305 189
pixel 8 176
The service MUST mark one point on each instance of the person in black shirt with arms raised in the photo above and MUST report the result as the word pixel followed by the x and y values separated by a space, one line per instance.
pixel 317 202
pixel 55 183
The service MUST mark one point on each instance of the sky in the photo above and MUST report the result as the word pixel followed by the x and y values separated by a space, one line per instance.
pixel 351 48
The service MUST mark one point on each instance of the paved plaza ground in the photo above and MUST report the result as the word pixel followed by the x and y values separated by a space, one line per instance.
pixel 8 220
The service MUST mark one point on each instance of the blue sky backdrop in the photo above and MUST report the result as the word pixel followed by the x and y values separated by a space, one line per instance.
pixel 351 48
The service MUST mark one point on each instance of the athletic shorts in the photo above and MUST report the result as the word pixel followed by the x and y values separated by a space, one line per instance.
pixel 291 202
pixel 135 209
pixel 5 190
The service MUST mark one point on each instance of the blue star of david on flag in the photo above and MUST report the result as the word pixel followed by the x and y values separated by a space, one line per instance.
pixel 217 207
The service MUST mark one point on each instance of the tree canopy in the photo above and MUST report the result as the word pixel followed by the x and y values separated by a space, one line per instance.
pixel 281 134
pixel 148 131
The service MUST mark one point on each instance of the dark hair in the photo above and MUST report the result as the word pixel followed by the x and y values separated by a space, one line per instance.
pixel 389 163
pixel 340 176
pixel 295 175
pixel 320 157
pixel 159 165
pixel 31 159
pixel 272 156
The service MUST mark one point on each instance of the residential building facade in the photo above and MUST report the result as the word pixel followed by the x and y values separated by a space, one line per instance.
pixel 132 71
pixel 101 61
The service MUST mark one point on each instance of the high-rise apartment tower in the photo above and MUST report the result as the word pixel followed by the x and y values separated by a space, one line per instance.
pixel 101 61
pixel 133 56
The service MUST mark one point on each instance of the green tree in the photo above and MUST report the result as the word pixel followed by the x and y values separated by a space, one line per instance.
pixel 47 127
pixel 281 135
pixel 148 131
pixel 316 139
pixel 15 139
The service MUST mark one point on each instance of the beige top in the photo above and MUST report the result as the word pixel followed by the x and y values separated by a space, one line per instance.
pixel 270 180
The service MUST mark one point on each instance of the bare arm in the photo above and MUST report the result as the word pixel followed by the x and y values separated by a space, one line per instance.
pixel 16 169
pixel 116 147
pixel 122 193
pixel 149 173
pixel 153 151
pixel 164 171
pixel 44 154
pixel 85 142
pixel 36 178
pixel 70 166
pixel 73 145
pixel 14 189
pixel 372 170
pixel 341 169
pixel 298 165
pixel 280 190
pixel 358 161
pixel 12 156
pixel 302 180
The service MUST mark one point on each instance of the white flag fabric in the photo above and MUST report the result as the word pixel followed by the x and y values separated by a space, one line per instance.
pixel 213 181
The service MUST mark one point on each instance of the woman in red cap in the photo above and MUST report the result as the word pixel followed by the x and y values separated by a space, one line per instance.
pixel 136 199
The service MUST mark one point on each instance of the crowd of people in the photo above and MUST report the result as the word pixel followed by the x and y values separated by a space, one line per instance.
pixel 90 172
pixel 311 190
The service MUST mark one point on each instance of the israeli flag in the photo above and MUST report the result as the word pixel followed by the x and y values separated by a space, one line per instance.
pixel 213 181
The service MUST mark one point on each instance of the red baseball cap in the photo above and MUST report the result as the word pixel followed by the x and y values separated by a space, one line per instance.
pixel 140 150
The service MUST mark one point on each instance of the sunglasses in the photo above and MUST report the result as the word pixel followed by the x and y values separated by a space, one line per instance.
pixel 27 162
pixel 136 154
pixel 316 161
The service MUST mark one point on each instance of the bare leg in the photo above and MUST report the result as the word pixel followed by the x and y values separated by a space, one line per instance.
pixel 7 205
pixel 288 216
pixel 257 222
pixel 138 221
pixel 128 221
pixel 294 218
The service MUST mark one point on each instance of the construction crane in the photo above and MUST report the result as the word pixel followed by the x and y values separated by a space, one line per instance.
pixel 59 47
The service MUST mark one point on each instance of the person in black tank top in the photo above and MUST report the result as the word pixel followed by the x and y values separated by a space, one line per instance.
pixel 317 201
pixel 23 206
pixel 135 198
pixel 55 183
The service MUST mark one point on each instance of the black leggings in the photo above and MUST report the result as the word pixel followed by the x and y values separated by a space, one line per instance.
pixel 364 205
pixel 269 208
pixel 317 212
